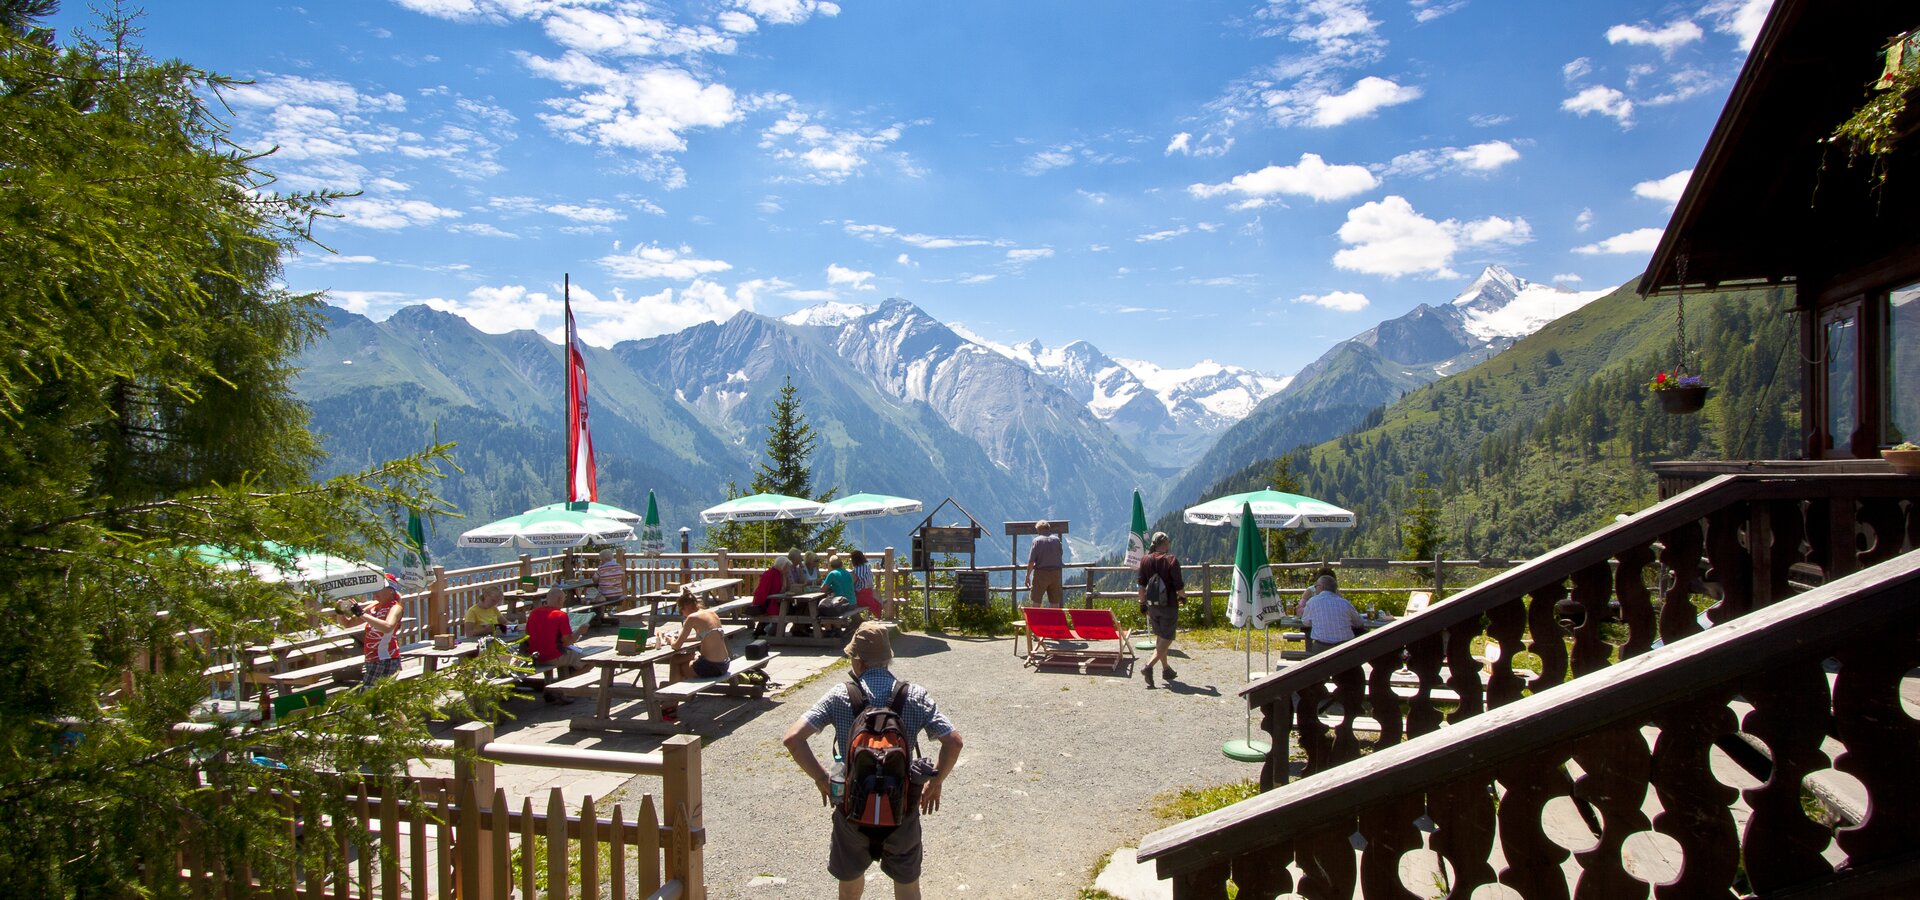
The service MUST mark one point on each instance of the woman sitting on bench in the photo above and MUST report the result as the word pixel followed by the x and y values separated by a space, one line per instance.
pixel 710 658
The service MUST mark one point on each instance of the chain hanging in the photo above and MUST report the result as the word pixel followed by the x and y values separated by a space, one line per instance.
pixel 1680 315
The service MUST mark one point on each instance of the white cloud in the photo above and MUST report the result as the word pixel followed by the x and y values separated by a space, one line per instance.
pixel 905 260
pixel 1429 10
pixel 923 241
pixel 365 302
pixel 811 296
pixel 655 261
pixel 626 31
pixel 1047 160
pixel 976 279
pixel 1584 220
pixel 1641 240
pixel 1577 69
pixel 1389 237
pixel 1367 96
pixel 1310 177
pixel 1339 301
pixel 1675 35
pixel 838 274
pixel 648 108
pixel 1167 234
pixel 482 229
pixel 788 12
pixel 1024 255
pixel 1567 278
pixel 1666 190
pixel 503 308
pixel 1740 18
pixel 824 155
pixel 1489 120
pixel 1095 197
pixel 1180 144
pixel 598 215
pixel 737 22
pixel 388 214
pixel 1603 100
pixel 1479 158
pixel 335 259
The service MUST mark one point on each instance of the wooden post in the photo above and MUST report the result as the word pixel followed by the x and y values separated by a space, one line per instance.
pixel 722 564
pixel 437 603
pixel 888 579
pixel 686 555
pixel 681 791
pixel 1206 592
pixel 474 781
pixel 526 565
pixel 1439 577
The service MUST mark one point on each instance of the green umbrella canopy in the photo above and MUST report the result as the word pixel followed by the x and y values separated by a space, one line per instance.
pixel 1271 509
pixel 331 576
pixel 590 507
pixel 547 529
pixel 760 508
pixel 864 506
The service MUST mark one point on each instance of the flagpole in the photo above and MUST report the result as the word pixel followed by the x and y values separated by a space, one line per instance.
pixel 566 375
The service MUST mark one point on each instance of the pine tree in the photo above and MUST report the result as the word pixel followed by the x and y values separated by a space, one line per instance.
pixel 145 410
pixel 790 443
pixel 1286 545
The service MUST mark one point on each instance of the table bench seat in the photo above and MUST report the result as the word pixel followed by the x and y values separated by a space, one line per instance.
pixel 688 688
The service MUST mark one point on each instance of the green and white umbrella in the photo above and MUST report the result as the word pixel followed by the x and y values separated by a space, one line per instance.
pixel 329 576
pixel 1255 601
pixel 414 560
pixel 652 541
pixel 592 508
pixel 760 508
pixel 548 529
pixel 1271 509
pixel 1137 535
pixel 864 506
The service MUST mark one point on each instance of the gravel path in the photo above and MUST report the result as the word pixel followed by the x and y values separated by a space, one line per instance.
pixel 1059 769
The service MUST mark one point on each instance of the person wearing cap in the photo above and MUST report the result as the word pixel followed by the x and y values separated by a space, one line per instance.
pixel 855 847
pixel 1043 567
pixel 380 639
pixel 1161 620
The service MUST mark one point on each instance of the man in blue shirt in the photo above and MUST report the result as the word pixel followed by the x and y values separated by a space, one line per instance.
pixel 1328 617
pixel 855 847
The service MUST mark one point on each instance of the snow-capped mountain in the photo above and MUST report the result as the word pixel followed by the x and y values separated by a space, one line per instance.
pixel 1169 415
pixel 1501 305
pixel 829 313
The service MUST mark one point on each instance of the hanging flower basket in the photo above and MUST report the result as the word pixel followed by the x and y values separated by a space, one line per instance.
pixel 1679 394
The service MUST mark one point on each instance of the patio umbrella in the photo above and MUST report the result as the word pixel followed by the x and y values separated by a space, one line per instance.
pixel 592 508
pixel 329 576
pixel 652 542
pixel 1271 509
pixel 760 508
pixel 1255 599
pixel 547 529
pixel 1137 535
pixel 864 506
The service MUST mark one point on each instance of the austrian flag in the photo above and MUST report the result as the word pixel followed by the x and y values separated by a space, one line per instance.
pixel 581 476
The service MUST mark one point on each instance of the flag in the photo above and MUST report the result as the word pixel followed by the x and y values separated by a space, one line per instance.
pixel 1255 600
pixel 581 481
pixel 1137 537
pixel 414 560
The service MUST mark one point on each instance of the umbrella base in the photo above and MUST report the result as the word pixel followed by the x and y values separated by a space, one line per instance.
pixel 1246 751
pixel 1148 644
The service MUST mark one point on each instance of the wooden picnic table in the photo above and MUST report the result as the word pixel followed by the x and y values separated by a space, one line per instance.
pixel 430 656
pixel 803 610
pixel 665 604
pixel 653 696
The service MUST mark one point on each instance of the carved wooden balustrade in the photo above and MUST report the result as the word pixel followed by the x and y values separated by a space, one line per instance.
pixel 1824 666
pixel 1746 538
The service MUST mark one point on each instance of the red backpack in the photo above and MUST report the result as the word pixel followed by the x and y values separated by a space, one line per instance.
pixel 879 758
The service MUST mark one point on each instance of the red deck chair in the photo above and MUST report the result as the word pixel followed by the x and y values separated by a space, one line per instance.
pixel 1097 625
pixel 1046 628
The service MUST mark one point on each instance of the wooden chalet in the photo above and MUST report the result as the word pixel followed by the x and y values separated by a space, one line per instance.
pixel 1720 679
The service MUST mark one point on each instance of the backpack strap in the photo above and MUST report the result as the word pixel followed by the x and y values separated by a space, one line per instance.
pixel 856 695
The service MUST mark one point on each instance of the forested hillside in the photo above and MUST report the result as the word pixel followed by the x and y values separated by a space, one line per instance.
pixel 1552 438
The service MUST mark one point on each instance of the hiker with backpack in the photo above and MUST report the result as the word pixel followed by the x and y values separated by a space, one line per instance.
pixel 1161 591
pixel 882 784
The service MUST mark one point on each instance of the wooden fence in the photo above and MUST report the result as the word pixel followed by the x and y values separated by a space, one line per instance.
pixel 464 837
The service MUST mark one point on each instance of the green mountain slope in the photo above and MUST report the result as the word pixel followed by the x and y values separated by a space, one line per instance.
pixel 1550 439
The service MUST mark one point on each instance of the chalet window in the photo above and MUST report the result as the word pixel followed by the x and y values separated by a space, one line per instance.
pixel 1839 375
pixel 1900 352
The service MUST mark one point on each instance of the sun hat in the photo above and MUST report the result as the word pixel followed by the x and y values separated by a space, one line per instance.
pixel 870 644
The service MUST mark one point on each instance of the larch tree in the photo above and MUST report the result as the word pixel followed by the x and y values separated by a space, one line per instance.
pixel 146 410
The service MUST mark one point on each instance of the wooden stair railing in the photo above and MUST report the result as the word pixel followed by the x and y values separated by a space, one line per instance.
pixel 1751 537
pixel 1488 780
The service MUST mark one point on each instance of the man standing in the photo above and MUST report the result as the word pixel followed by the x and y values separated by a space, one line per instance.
pixel 1328 617
pixel 856 846
pixel 1043 566
pixel 1162 616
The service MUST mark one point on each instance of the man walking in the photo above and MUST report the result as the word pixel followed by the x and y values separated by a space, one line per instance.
pixel 856 846
pixel 1163 615
pixel 1328 617
pixel 1044 563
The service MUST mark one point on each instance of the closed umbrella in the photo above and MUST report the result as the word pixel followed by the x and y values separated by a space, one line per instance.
pixel 1137 535
pixel 652 541
pixel 1255 599
pixel 547 529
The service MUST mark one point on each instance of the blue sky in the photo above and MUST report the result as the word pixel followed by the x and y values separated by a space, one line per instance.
pixel 1172 181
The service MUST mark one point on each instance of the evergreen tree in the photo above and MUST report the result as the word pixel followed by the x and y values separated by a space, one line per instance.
pixel 145 411
pixel 790 442
pixel 1420 523
pixel 1285 545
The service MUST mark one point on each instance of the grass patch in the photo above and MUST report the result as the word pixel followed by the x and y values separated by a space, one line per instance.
pixel 1187 803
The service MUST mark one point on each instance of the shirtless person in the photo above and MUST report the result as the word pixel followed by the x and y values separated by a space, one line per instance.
pixel 709 657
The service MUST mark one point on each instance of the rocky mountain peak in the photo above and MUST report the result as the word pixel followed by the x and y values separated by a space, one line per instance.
pixel 1495 288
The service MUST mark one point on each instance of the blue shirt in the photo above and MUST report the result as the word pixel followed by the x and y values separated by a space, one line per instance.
pixel 1331 617
pixel 836 707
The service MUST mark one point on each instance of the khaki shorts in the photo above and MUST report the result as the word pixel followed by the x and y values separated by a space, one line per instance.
pixel 855 847
pixel 1045 584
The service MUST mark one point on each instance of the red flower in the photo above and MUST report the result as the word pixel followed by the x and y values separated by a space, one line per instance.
pixel 1660 378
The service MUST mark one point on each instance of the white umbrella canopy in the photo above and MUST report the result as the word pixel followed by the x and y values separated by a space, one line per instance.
pixel 546 530
pixel 592 508
pixel 864 506
pixel 760 508
pixel 330 576
pixel 1271 509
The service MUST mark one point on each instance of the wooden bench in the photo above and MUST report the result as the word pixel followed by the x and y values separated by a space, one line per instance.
pixel 803 611
pixel 725 685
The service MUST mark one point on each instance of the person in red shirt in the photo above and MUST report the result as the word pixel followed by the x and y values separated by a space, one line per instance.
pixel 549 632
pixel 773 582
pixel 380 640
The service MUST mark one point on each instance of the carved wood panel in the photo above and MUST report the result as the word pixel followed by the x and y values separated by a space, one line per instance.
pixel 1423 660
pixel 1694 805
pixel 1592 587
pixel 1507 624
pixel 1680 554
pixel 1882 741
pixel 1790 714
pixel 1617 768
pixel 1547 638
pixel 1636 604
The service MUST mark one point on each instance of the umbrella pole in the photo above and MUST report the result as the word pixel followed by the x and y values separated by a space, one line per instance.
pixel 1248 749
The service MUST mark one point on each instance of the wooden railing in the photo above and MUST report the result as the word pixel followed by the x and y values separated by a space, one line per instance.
pixel 1749 539
pixel 465 837
pixel 1823 666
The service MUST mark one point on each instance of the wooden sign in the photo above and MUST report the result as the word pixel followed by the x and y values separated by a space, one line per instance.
pixel 1054 526
pixel 937 539
pixel 970 587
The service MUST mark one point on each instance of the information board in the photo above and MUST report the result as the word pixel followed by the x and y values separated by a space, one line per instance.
pixel 970 587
